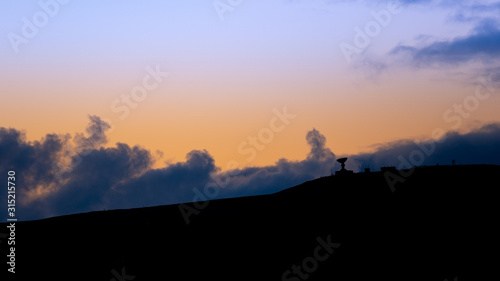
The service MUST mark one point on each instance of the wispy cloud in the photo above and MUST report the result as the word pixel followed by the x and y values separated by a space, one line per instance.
pixel 483 45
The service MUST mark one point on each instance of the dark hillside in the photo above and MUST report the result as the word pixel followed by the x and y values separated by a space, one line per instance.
pixel 440 223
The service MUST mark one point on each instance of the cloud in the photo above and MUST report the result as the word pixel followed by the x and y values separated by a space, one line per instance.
pixel 183 182
pixel 98 173
pixel 96 134
pixel 480 146
pixel 169 185
pixel 284 173
pixel 479 48
pixel 476 11
pixel 31 161
pixel 317 143
pixel 483 44
pixel 60 175
pixel 122 176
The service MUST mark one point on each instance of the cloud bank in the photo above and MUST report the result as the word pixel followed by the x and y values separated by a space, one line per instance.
pixel 483 44
pixel 480 146
pixel 477 51
pixel 61 174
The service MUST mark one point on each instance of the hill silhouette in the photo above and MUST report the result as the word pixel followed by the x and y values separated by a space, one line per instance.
pixel 438 224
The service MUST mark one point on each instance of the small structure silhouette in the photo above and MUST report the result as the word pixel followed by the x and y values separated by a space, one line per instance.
pixel 343 170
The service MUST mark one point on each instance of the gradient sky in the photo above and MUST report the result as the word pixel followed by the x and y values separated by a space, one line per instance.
pixel 230 69
pixel 227 75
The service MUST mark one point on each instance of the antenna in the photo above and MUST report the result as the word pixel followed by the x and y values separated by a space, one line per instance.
pixel 343 171
pixel 342 162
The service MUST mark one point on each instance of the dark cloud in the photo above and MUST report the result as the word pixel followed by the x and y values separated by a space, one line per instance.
pixel 59 175
pixel 284 173
pixel 281 175
pixel 31 161
pixel 480 146
pixel 98 173
pixel 184 182
pixel 122 176
pixel 96 134
pixel 172 184
pixel 483 44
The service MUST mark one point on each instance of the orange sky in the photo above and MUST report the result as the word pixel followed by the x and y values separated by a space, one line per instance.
pixel 226 76
pixel 178 117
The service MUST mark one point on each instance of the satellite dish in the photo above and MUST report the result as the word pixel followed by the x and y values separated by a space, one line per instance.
pixel 342 162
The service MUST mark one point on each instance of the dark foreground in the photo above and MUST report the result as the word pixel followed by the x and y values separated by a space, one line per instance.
pixel 439 224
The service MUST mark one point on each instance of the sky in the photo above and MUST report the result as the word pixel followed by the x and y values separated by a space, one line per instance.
pixel 119 104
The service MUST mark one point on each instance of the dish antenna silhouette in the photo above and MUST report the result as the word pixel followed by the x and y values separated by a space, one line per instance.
pixel 343 171
pixel 342 162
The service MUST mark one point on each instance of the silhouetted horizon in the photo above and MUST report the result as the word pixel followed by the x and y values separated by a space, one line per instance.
pixel 126 178
pixel 329 227
pixel 261 140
